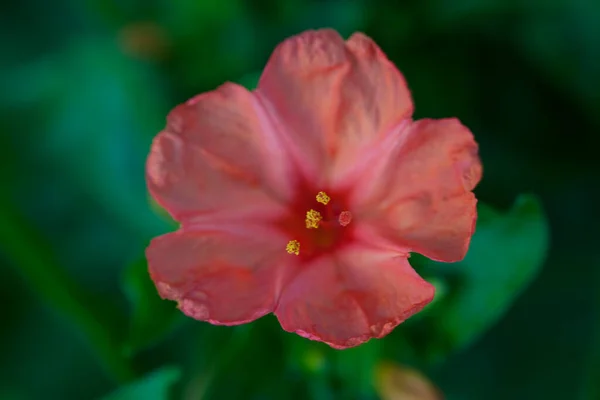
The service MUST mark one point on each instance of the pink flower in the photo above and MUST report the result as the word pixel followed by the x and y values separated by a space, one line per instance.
pixel 305 197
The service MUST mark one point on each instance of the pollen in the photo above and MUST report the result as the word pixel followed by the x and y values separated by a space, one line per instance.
pixel 323 198
pixel 312 219
pixel 293 247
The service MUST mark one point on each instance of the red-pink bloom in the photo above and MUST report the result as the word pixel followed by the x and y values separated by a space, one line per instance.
pixel 305 197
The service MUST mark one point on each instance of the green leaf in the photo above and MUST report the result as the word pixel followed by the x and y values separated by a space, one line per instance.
pixel 154 386
pixel 152 318
pixel 506 253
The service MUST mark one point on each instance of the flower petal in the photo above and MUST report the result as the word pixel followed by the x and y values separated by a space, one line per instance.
pixel 350 297
pixel 333 97
pixel 419 194
pixel 217 158
pixel 219 277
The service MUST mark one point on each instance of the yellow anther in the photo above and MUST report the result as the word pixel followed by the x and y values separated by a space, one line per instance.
pixel 293 247
pixel 312 219
pixel 323 198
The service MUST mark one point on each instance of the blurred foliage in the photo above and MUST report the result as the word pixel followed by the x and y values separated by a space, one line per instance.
pixel 87 84
pixel 154 386
pixel 506 252
pixel 151 317
pixel 395 382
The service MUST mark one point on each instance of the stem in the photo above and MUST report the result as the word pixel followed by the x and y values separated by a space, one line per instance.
pixel 32 258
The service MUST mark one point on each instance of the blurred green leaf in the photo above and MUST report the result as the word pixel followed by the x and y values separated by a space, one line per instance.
pixel 313 362
pixel 355 368
pixel 162 213
pixel 346 16
pixel 506 253
pixel 250 80
pixel 226 356
pixel 151 317
pixel 591 386
pixel 154 386
pixel 226 55
pixel 99 132
pixel 31 257
pixel 561 43
pixel 189 17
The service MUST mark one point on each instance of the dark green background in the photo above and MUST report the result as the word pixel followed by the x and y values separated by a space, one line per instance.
pixel 85 85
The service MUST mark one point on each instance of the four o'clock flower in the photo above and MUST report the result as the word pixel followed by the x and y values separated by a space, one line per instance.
pixel 305 197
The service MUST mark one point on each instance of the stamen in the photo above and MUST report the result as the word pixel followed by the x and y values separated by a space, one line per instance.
pixel 323 198
pixel 312 219
pixel 293 247
pixel 345 218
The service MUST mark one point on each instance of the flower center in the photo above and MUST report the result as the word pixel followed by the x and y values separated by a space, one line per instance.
pixel 326 221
